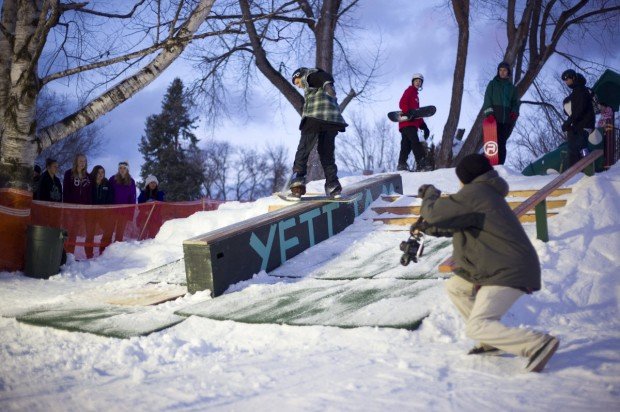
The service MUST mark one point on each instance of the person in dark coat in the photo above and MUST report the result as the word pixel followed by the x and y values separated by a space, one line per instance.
pixel 495 261
pixel 102 190
pixel 36 179
pixel 580 121
pixel 77 183
pixel 50 188
pixel 101 195
pixel 151 192
pixel 321 121
pixel 409 130
pixel 502 103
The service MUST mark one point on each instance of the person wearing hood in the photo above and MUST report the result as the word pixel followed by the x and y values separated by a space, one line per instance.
pixel 151 191
pixel 496 263
pixel 321 120
pixel 501 102
pixel 580 111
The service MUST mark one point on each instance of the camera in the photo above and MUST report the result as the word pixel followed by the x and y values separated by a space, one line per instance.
pixel 412 248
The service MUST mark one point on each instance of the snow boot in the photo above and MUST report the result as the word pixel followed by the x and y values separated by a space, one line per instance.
pixel 540 358
pixel 298 185
pixel 402 167
pixel 333 189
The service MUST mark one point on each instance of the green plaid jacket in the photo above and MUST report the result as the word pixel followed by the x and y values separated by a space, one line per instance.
pixel 320 105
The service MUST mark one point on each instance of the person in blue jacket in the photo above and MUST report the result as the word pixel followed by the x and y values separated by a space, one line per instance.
pixel 151 191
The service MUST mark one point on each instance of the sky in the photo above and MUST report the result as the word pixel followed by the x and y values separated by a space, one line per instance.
pixel 421 40
pixel 201 363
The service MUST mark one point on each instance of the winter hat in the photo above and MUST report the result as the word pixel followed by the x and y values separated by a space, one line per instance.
pixel 472 166
pixel 504 65
pixel 302 71
pixel 569 74
pixel 149 179
pixel 124 163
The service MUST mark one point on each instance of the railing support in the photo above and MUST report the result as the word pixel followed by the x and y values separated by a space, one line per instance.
pixel 542 232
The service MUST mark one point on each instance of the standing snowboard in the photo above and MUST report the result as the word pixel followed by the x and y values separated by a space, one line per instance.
pixel 398 116
pixel 490 147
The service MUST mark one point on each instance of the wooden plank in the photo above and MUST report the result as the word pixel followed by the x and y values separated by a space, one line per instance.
pixel 410 219
pixel 415 210
pixel 513 193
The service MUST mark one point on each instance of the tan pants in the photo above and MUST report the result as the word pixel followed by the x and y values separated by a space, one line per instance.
pixel 483 310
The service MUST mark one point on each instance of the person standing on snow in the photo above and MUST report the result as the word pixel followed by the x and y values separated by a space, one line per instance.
pixel 502 103
pixel 496 262
pixel 409 130
pixel 321 120
pixel 578 106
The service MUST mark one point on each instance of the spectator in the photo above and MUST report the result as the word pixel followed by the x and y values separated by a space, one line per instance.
pixel 124 193
pixel 409 140
pixel 102 195
pixel 496 262
pixel 36 180
pixel 151 191
pixel 102 191
pixel 502 103
pixel 321 121
pixel 50 188
pixel 580 121
pixel 606 115
pixel 77 183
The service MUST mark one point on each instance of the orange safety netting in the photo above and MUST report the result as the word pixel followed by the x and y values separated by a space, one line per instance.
pixel 91 228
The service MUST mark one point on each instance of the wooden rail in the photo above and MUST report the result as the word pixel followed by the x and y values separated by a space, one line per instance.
pixel 539 200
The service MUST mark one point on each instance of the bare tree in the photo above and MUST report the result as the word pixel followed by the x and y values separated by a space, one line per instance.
pixel 42 41
pixel 278 167
pixel 279 34
pixel 217 160
pixel 368 147
pixel 534 33
pixel 250 175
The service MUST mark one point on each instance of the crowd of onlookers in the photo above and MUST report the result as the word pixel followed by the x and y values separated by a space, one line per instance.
pixel 81 187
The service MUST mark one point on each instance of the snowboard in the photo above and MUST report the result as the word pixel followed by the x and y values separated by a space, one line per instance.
pixel 490 147
pixel 425 111
pixel 319 198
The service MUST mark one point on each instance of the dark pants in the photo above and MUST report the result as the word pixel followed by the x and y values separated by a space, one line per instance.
pixel 577 140
pixel 503 133
pixel 409 142
pixel 325 149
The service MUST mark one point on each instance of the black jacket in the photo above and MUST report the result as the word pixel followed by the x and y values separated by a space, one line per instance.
pixel 50 188
pixel 581 114
pixel 103 193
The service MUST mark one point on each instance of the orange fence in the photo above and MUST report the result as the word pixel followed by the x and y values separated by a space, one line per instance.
pixel 91 228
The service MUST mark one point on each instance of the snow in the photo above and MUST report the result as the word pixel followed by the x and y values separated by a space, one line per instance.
pixel 207 364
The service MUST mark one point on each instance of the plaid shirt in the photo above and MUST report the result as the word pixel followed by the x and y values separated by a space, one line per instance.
pixel 320 105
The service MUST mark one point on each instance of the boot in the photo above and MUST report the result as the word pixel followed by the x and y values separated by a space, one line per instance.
pixel 402 167
pixel 333 189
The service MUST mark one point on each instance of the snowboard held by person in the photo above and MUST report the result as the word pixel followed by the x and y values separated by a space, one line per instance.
pixel 321 120
pixel 496 263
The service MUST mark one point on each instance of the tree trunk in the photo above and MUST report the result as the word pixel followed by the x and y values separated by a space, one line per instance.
pixel 461 12
pixel 18 143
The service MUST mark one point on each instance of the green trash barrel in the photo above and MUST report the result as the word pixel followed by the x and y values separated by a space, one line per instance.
pixel 44 250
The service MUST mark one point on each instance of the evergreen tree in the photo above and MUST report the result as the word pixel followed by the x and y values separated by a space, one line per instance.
pixel 169 147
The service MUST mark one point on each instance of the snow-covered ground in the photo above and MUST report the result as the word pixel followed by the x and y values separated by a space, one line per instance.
pixel 205 364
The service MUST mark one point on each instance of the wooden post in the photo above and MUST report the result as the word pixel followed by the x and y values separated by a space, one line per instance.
pixel 542 232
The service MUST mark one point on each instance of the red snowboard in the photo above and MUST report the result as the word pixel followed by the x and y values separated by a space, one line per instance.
pixel 489 132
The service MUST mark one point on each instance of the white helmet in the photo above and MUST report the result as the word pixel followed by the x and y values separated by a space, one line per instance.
pixel 418 76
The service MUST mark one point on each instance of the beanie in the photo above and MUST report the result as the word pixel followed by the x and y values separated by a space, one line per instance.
pixel 124 163
pixel 149 179
pixel 472 166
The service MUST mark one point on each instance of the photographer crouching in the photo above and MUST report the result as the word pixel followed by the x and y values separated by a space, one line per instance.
pixel 495 261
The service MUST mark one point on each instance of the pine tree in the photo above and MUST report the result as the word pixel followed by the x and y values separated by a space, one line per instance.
pixel 169 147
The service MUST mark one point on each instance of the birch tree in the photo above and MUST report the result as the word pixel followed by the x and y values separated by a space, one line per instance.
pixel 44 41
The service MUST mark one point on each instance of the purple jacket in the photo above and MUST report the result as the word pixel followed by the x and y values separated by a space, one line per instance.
pixel 123 194
pixel 77 190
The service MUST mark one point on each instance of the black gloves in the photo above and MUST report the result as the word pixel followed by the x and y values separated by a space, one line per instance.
pixel 424 128
pixel 419 226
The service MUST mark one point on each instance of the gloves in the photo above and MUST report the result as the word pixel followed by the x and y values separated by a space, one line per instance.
pixel 422 190
pixel 566 125
pixel 514 116
pixel 425 130
pixel 419 226
pixel 490 118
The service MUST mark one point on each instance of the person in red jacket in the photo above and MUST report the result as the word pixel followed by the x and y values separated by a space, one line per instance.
pixel 409 130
